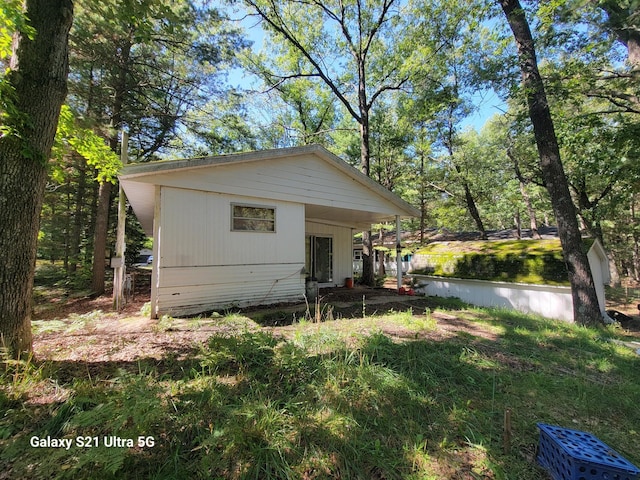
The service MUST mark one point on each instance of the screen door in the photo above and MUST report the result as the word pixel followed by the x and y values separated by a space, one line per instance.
pixel 319 252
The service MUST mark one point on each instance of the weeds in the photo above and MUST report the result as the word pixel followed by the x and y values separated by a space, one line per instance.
pixel 145 310
pixel 18 377
pixel 326 403
pixel 164 324
pixel 414 323
pixel 321 312
pixel 55 275
pixel 74 323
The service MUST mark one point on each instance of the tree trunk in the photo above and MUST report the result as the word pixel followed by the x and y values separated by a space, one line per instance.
pixel 67 225
pixel 533 222
pixel 636 260
pixel 368 271
pixel 38 73
pixel 381 254
pixel 78 215
pixel 614 275
pixel 623 23
pixel 468 196
pixel 104 196
pixel 470 202
pixel 423 201
pixel 585 301
pixel 473 209
pixel 635 251
pixel 100 238
pixel 53 240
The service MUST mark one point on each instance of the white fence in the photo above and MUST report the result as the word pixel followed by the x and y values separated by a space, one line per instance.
pixel 547 300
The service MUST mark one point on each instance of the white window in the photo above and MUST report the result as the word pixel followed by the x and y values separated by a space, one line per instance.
pixel 252 218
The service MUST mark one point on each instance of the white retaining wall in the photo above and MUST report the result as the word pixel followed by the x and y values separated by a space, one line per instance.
pixel 547 300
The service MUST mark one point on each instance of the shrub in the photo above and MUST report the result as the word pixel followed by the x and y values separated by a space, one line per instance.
pixel 524 261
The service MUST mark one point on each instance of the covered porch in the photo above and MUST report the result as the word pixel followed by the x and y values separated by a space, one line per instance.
pixel 251 228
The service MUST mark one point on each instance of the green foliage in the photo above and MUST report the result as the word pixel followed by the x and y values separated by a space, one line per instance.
pixel 156 66
pixel 597 133
pixel 245 353
pixel 49 274
pixel 525 261
pixel 136 239
pixel 56 275
pixel 85 142
pixel 12 20
pixel 12 120
pixel 19 376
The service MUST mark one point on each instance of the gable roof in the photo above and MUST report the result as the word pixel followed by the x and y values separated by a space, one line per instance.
pixel 331 189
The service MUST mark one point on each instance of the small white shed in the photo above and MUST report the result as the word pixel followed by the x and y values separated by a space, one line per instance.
pixel 249 228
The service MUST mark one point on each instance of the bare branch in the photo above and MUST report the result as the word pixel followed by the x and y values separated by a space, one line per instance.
pixel 284 78
pixel 386 88
pixel 381 19
pixel 441 189
pixel 279 25
pixel 626 103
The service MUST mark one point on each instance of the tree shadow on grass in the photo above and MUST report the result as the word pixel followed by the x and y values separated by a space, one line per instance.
pixel 568 375
pixel 256 406
pixel 347 307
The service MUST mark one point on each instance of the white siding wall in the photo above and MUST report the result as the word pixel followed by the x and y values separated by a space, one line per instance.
pixel 203 265
pixel 305 179
pixel 342 248
pixel 547 300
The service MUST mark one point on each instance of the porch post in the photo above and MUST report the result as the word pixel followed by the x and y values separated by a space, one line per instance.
pixel 120 269
pixel 398 253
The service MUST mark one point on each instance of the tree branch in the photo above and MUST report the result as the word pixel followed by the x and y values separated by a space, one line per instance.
pixel 441 189
pixel 386 88
pixel 279 26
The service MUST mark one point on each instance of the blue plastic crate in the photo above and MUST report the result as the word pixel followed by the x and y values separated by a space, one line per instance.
pixel 574 455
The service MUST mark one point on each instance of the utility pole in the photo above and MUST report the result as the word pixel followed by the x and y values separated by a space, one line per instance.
pixel 117 262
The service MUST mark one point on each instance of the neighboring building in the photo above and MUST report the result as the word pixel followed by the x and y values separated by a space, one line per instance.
pixel 250 228
pixel 385 252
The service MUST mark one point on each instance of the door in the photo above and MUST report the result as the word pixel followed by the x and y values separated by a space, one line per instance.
pixel 319 258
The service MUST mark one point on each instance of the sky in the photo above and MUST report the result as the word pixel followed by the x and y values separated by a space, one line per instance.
pixel 487 102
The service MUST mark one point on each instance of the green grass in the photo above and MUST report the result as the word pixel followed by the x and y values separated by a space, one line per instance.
pixel 326 400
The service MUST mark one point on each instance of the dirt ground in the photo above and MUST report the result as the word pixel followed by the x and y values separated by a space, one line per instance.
pixel 87 331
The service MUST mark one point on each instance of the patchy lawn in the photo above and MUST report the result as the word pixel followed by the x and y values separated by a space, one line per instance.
pixel 387 388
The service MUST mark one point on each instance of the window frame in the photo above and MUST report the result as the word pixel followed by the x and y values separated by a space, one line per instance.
pixel 249 205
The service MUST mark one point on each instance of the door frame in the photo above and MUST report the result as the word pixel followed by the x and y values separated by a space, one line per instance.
pixel 311 257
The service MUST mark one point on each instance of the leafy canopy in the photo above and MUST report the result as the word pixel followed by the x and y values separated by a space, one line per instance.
pixel 12 19
pixel 71 137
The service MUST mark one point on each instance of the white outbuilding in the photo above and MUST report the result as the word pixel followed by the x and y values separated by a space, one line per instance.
pixel 251 228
